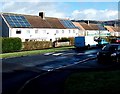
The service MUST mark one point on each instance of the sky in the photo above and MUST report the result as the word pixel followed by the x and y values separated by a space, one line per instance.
pixel 74 9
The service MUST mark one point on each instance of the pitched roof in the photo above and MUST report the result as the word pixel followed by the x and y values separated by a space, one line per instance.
pixel 86 26
pixel 118 28
pixel 109 28
pixel 54 22
pixel 67 23
pixel 94 26
pixel 113 29
pixel 78 25
pixel 37 22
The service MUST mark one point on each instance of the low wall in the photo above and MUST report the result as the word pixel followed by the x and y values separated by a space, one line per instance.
pixel 60 44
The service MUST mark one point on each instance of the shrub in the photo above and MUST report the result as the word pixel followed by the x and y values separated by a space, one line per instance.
pixel 71 40
pixel 111 39
pixel 36 45
pixel 11 44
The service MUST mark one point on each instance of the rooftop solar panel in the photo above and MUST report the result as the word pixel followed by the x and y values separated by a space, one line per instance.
pixel 17 21
pixel 67 23
pixel 101 27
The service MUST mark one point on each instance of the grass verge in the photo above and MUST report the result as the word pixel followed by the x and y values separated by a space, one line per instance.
pixel 25 53
pixel 93 83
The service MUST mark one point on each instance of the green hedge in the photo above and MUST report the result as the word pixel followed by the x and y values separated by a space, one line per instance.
pixel 36 45
pixel 11 44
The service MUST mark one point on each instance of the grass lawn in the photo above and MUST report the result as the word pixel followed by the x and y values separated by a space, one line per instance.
pixel 25 53
pixel 107 82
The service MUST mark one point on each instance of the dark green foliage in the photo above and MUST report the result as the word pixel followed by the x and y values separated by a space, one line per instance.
pixel 11 44
pixel 101 82
pixel 36 45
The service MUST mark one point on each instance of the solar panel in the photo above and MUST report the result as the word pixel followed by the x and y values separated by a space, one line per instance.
pixel 17 21
pixel 67 23
pixel 101 27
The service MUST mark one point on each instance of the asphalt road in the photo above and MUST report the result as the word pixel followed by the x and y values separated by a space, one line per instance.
pixel 46 73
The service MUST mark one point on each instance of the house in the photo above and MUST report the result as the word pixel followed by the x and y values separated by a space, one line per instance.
pixel 31 27
pixel 115 31
pixel 91 29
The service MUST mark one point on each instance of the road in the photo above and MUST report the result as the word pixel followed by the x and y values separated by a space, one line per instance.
pixel 46 73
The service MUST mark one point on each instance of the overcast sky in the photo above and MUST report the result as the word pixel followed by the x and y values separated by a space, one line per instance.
pixel 74 10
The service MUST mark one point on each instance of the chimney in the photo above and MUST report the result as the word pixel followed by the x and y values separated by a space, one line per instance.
pixel 88 22
pixel 42 15
pixel 115 24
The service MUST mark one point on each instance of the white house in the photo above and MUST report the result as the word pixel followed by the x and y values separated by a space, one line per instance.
pixel 29 27
pixel 114 31
pixel 91 29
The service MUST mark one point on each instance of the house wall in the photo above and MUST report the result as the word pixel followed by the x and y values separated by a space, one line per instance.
pixel 97 33
pixel 81 32
pixel 5 29
pixel 117 34
pixel 42 34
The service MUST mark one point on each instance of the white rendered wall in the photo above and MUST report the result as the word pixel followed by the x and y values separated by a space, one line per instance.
pixel 43 34
pixel 97 33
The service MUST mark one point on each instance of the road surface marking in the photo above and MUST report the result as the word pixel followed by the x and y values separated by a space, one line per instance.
pixel 56 54
pixel 48 53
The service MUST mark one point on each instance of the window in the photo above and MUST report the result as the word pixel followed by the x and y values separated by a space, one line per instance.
pixel 73 31
pixel 44 31
pixel 57 31
pixel 36 31
pixel 18 32
pixel 62 31
pixel 69 31
pixel 28 31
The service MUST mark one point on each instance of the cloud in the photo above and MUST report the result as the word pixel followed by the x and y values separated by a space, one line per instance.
pixel 56 9
pixel 51 9
pixel 93 14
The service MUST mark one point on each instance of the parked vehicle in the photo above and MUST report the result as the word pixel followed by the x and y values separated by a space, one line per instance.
pixel 109 53
pixel 101 41
pixel 84 41
pixel 117 40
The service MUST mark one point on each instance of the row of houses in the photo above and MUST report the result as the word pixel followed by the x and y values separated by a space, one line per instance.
pixel 30 27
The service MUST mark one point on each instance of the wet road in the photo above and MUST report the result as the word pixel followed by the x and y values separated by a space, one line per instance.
pixel 45 73
pixel 48 61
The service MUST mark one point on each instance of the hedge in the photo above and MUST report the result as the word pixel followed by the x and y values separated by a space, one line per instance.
pixel 71 40
pixel 11 44
pixel 36 45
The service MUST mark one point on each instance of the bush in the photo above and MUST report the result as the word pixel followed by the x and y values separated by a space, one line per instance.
pixel 111 39
pixel 71 40
pixel 36 45
pixel 11 44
